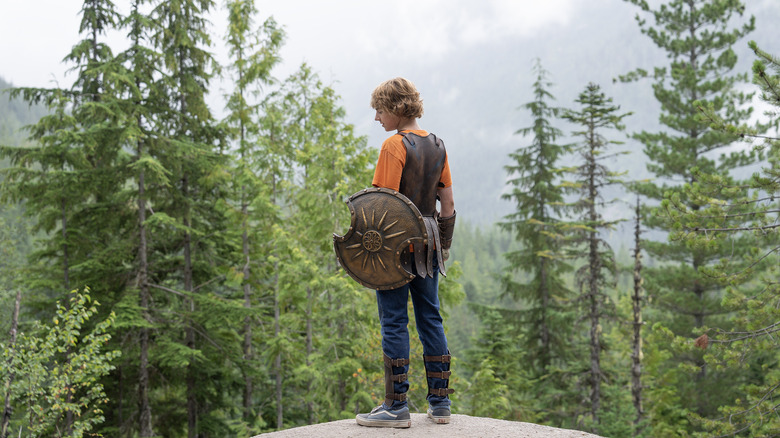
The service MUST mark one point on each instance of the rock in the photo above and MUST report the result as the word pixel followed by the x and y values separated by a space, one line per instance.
pixel 461 426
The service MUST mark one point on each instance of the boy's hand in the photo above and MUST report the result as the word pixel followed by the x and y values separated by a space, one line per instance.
pixel 445 254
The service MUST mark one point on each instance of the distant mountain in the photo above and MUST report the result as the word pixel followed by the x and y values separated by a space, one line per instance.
pixel 14 115
pixel 602 43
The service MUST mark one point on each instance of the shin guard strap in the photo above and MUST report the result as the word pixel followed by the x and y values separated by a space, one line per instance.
pixel 441 375
pixel 441 392
pixel 443 359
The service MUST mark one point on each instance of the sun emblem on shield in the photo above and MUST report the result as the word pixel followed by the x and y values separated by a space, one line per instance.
pixel 372 245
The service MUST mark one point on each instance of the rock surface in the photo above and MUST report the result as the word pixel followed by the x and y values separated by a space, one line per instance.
pixel 461 426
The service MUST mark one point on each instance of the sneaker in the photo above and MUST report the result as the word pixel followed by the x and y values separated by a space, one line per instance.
pixel 384 417
pixel 439 415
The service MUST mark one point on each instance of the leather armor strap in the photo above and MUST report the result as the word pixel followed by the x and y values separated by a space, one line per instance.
pixel 399 377
pixel 391 397
pixel 443 359
pixel 441 392
pixel 441 375
pixel 396 362
pixel 437 244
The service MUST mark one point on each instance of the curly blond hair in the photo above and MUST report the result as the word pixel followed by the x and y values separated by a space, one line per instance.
pixel 399 96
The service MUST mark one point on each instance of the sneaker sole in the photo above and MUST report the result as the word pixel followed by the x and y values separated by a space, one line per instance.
pixel 439 420
pixel 384 423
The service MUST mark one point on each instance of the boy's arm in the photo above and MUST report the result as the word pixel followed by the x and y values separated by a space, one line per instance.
pixel 447 201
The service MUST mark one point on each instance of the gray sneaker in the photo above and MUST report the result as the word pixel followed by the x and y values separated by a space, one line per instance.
pixel 381 416
pixel 439 415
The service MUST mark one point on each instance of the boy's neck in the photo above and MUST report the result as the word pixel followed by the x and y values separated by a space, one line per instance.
pixel 409 124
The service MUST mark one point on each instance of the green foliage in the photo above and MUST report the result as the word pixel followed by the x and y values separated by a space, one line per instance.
pixel 745 219
pixel 698 38
pixel 57 368
pixel 597 274
pixel 209 243
pixel 535 225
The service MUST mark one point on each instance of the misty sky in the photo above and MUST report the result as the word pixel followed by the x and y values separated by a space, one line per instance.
pixel 471 61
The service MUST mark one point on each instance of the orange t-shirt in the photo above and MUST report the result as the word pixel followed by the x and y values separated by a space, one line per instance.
pixel 392 158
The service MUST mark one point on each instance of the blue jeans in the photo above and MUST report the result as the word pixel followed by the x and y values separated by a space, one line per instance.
pixel 395 333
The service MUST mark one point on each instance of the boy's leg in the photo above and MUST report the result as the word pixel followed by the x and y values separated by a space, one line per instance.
pixel 430 327
pixel 393 412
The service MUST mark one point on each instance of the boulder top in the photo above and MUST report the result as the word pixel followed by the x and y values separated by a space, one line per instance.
pixel 461 426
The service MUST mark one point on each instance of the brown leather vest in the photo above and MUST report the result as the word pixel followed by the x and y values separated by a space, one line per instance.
pixel 424 163
pixel 420 177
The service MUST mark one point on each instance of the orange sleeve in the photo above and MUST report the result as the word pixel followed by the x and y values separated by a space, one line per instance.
pixel 390 165
pixel 446 176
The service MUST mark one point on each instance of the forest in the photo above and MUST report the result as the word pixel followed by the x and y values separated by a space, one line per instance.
pixel 169 272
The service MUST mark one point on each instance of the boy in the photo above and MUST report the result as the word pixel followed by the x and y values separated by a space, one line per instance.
pixel 413 162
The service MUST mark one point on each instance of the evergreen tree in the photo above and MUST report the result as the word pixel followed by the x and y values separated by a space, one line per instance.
pixel 140 101
pixel 503 387
pixel 698 37
pixel 592 178
pixel 546 318
pixel 190 152
pixel 750 277
pixel 253 55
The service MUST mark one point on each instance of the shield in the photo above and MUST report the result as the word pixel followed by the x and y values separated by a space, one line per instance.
pixel 374 251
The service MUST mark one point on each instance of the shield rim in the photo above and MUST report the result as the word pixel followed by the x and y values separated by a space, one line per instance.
pixel 352 229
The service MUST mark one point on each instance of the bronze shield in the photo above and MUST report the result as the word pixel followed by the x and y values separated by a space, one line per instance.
pixel 383 225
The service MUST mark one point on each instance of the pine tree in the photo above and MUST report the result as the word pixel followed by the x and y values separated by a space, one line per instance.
pixel 141 99
pixel 591 178
pixel 254 53
pixel 749 219
pixel 539 202
pixel 192 156
pixel 697 37
pixel 546 320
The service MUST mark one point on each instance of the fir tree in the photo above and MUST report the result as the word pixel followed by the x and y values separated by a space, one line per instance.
pixel 591 178
pixel 539 204
pixel 697 37
pixel 546 320
pixel 191 153
pixel 750 277
pixel 253 54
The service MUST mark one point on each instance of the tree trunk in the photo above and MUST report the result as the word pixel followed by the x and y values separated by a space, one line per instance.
pixel 278 365
pixel 145 416
pixel 11 375
pixel 543 327
pixel 248 353
pixel 595 342
pixel 66 283
pixel 593 288
pixel 636 340
pixel 309 347
pixel 192 403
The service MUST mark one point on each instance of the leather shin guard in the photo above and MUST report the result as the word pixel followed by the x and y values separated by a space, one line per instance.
pixel 391 379
pixel 444 375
